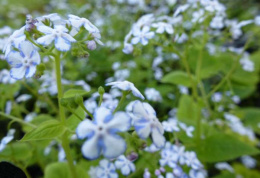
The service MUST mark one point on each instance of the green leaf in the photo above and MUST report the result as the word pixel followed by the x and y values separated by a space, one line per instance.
pixel 47 130
pixel 225 174
pixel 187 109
pixel 37 120
pixel 59 169
pixel 72 92
pixel 245 172
pixel 223 147
pixel 178 78
pixel 72 122
pixel 18 151
pixel 251 118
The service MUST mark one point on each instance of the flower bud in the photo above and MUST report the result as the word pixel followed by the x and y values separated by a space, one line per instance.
pixel 78 99
pixel 101 90
pixel 91 45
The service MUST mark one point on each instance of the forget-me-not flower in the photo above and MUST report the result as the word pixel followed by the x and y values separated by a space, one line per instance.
pixel 162 27
pixel 78 22
pixel 14 40
pixel 142 35
pixel 125 165
pixel 146 123
pixel 126 86
pixel 106 169
pixel 101 134
pixel 24 62
pixel 59 34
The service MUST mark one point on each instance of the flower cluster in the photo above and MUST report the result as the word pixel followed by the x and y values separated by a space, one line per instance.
pixel 21 51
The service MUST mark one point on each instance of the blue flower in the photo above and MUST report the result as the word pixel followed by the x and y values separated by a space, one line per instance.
pixel 141 36
pixel 106 169
pixel 78 22
pixel 146 123
pixel 59 33
pixel 14 40
pixel 7 139
pixel 101 134
pixel 125 165
pixel 126 86
pixel 23 63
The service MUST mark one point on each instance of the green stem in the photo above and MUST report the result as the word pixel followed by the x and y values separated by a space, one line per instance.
pixel 125 93
pixel 233 68
pixel 65 140
pixel 59 87
pixel 100 100
pixel 66 147
pixel 187 68
pixel 71 110
pixel 17 120
pixel 39 46
pixel 85 109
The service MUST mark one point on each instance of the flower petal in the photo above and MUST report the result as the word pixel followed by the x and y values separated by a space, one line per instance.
pixel 121 122
pixel 142 128
pixel 44 29
pixel 85 129
pixel 135 40
pixel 35 58
pixel 102 115
pixel 149 109
pixel 68 37
pixel 158 138
pixel 14 58
pixel 26 48
pixel 18 73
pixel 45 40
pixel 30 71
pixel 62 44
pixel 90 149
pixel 113 146
pixel 138 109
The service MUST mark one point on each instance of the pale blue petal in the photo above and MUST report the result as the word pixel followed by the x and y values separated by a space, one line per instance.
pixel 14 58
pixel 45 40
pixel 26 48
pixel 85 129
pixel 30 71
pixel 113 146
pixel 62 44
pixel 121 122
pixel 101 114
pixel 44 29
pixel 18 73
pixel 90 149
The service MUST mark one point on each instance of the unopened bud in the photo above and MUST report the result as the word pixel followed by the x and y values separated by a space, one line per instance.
pixel 101 90
pixel 30 22
pixel 91 45
pixel 78 99
pixel 64 102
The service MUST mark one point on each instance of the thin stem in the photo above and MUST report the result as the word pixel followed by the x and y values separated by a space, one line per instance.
pixel 65 140
pixel 71 110
pixel 39 46
pixel 233 68
pixel 187 68
pixel 59 87
pixel 100 100
pixel 125 93
pixel 85 109
pixel 17 120
pixel 66 147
